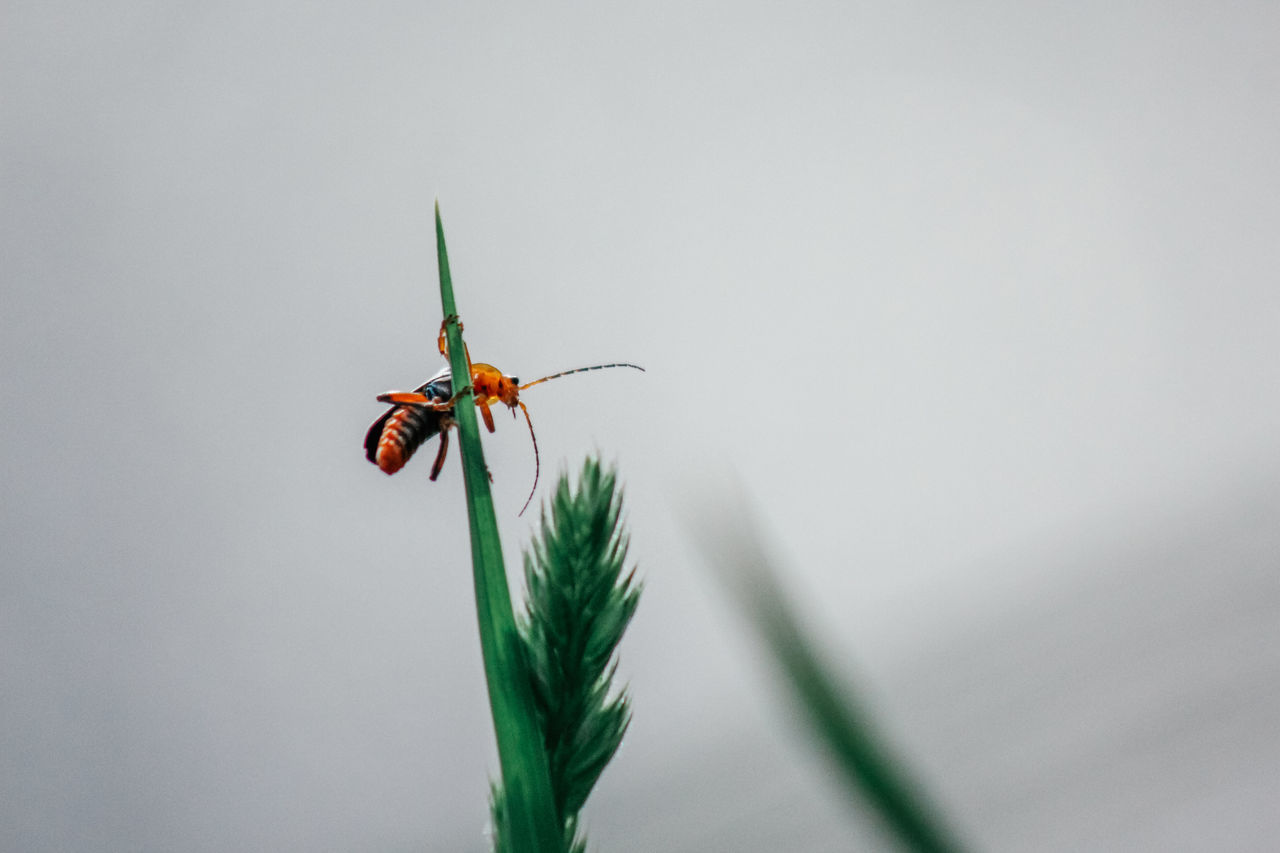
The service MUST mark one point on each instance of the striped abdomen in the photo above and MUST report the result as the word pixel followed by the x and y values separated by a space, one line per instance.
pixel 394 437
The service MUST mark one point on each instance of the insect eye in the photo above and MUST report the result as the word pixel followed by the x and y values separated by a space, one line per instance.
pixel 515 381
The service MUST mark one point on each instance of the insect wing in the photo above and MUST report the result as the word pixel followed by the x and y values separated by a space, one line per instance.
pixel 402 429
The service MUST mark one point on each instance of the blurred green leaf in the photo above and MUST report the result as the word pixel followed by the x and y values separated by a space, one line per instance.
pixel 731 542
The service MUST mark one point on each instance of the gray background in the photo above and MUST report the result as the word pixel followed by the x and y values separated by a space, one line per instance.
pixel 978 302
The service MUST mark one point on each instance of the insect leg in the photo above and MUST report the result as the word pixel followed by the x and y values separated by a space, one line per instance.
pixel 443 341
pixel 486 414
pixel 440 454
pixel 413 398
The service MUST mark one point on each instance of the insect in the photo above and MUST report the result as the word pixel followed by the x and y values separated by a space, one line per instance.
pixel 415 416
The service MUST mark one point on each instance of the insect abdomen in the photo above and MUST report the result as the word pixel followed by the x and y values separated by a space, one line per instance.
pixel 395 436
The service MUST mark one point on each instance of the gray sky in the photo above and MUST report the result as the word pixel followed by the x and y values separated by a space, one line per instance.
pixel 979 304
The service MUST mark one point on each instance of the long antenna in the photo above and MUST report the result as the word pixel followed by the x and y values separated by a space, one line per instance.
pixel 578 370
pixel 537 465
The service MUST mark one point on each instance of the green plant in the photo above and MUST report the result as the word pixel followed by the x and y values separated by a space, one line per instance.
pixel 579 604
pixel 846 731
pixel 557 717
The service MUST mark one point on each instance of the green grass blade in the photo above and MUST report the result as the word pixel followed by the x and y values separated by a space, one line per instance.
pixel 529 819
pixel 860 751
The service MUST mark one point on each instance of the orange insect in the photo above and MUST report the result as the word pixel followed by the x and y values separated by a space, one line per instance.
pixel 416 416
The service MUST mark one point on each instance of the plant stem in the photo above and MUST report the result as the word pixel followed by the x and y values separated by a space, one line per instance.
pixel 530 814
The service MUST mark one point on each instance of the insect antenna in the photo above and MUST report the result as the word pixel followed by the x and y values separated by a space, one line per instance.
pixel 578 370
pixel 537 466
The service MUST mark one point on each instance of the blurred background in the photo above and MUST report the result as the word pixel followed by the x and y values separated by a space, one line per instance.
pixel 977 303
